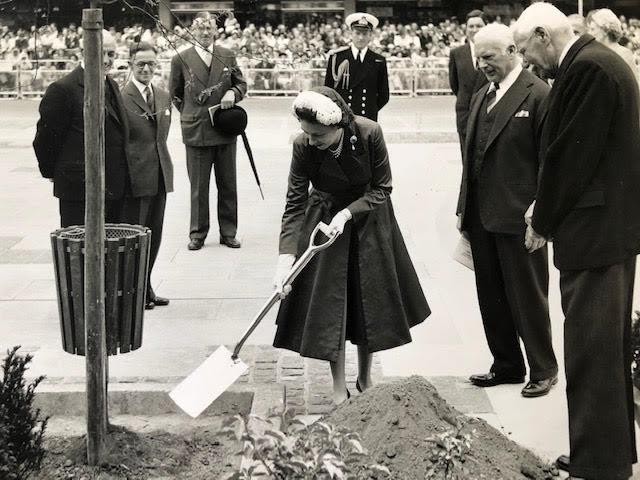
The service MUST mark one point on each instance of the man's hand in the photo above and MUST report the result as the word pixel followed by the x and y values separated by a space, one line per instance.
pixel 528 215
pixel 533 241
pixel 338 222
pixel 228 100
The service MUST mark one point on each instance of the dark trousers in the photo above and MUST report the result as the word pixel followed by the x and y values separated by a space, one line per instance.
pixel 149 212
pixel 597 305
pixel 199 162
pixel 512 286
pixel 72 212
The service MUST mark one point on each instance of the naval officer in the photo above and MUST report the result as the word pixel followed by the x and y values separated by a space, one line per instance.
pixel 358 74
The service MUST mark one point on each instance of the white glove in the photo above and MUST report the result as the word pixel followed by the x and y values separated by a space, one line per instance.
pixel 338 222
pixel 285 262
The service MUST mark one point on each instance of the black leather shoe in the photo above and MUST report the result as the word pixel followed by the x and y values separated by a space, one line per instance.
pixel 562 462
pixel 149 306
pixel 230 242
pixel 195 244
pixel 539 388
pixel 160 301
pixel 491 379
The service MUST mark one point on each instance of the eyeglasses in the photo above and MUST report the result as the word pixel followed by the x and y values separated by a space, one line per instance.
pixel 141 64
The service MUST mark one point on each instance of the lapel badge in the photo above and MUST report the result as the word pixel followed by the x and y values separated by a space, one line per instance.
pixel 353 139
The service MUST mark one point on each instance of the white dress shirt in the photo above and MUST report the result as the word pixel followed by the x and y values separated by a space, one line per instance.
pixel 363 52
pixel 505 84
pixel 141 87
pixel 205 55
pixel 474 61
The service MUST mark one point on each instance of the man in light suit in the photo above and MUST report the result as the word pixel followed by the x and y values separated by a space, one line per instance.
pixel 588 203
pixel 149 112
pixel 204 76
pixel 59 142
pixel 465 78
pixel 358 74
pixel 499 183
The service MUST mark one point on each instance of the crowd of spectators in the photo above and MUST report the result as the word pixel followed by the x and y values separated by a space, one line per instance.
pixel 277 54
pixel 256 46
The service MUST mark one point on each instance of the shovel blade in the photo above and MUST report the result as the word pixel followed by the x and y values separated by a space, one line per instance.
pixel 207 382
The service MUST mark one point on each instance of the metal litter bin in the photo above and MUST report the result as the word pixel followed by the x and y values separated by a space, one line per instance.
pixel 126 266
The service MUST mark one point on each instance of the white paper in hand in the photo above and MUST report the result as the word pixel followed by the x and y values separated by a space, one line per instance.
pixel 207 382
pixel 462 253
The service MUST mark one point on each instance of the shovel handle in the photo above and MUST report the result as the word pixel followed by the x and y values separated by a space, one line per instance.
pixel 297 267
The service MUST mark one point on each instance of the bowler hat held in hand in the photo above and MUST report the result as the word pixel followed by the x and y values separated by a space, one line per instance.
pixel 233 121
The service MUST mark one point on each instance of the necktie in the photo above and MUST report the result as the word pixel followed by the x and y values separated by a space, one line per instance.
pixel 149 98
pixel 491 96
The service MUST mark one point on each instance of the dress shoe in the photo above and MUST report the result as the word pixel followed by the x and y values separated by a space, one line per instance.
pixel 160 301
pixel 230 242
pixel 539 388
pixel 358 387
pixel 195 244
pixel 562 462
pixel 491 379
pixel 149 306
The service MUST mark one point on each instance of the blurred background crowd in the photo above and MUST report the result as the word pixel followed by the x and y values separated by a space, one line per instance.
pixel 260 46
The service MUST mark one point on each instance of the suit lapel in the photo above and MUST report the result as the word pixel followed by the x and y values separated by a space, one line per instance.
pixel 217 67
pixel 508 104
pixel 196 66
pixel 473 117
pixel 583 41
pixel 132 91
pixel 114 110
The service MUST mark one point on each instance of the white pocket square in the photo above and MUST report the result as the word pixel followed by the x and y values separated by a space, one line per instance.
pixel 522 114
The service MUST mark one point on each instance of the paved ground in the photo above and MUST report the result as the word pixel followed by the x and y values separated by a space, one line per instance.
pixel 216 291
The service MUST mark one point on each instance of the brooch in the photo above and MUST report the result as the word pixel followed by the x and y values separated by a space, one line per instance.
pixel 353 139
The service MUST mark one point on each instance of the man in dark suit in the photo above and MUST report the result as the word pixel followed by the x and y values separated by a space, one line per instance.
pixel 464 77
pixel 358 74
pixel 588 203
pixel 59 142
pixel 149 113
pixel 204 76
pixel 499 180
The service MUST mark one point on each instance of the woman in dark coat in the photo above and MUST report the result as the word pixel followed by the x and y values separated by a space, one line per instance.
pixel 363 288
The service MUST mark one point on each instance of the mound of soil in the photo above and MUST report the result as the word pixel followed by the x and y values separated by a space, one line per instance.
pixel 395 419
pixel 196 454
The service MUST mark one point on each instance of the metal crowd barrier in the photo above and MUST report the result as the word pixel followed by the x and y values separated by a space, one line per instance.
pixel 32 82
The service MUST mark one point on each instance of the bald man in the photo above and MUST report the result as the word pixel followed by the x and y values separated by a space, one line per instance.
pixel 499 179
pixel 59 142
pixel 588 202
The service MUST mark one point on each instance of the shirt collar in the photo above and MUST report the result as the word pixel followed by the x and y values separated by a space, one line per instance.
pixel 473 53
pixel 204 51
pixel 510 78
pixel 140 86
pixel 363 52
pixel 566 49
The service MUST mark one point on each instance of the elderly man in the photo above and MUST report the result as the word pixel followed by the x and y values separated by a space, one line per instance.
pixel 204 76
pixel 358 74
pixel 464 77
pixel 499 180
pixel 588 202
pixel 59 142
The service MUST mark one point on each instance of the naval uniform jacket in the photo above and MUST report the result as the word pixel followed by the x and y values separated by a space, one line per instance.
pixel 387 299
pixel 363 85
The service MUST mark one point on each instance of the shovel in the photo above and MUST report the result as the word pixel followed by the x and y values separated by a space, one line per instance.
pixel 222 368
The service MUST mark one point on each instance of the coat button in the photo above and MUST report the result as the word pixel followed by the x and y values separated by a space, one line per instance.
pixel 364 98
pixel 364 90
pixel 349 103
pixel 363 112
pixel 349 97
pixel 363 105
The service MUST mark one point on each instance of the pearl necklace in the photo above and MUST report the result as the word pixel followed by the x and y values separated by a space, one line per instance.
pixel 338 150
